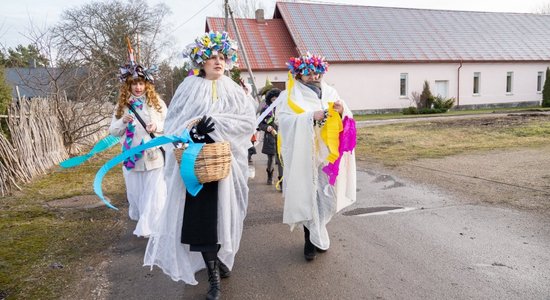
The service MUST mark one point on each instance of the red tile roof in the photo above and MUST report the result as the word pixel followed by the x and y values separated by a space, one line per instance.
pixel 268 45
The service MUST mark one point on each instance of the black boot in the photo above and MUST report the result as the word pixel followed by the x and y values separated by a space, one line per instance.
pixel 309 248
pixel 269 176
pixel 214 290
pixel 224 270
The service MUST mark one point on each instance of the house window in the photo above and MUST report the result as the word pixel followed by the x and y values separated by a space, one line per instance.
pixel 509 78
pixel 477 76
pixel 403 85
pixel 539 81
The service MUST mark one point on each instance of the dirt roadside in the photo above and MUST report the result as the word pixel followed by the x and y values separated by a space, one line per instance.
pixel 518 178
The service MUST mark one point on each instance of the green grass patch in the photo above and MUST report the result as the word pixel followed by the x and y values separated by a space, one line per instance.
pixel 37 239
pixel 398 143
pixel 449 113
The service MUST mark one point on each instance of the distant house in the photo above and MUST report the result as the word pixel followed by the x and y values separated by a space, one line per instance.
pixel 42 82
pixel 379 56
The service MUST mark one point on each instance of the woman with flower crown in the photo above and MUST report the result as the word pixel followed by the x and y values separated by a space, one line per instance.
pixel 205 230
pixel 144 172
pixel 317 138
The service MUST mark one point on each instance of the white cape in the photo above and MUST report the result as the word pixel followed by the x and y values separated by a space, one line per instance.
pixel 309 198
pixel 234 116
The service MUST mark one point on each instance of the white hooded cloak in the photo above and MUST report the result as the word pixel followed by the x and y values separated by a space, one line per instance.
pixel 309 199
pixel 233 113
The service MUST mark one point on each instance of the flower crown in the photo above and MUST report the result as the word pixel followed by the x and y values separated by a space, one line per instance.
pixel 307 64
pixel 136 70
pixel 212 43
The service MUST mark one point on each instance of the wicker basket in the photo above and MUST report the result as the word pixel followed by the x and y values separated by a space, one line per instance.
pixel 212 163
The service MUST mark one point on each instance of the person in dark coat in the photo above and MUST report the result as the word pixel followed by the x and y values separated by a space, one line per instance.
pixel 269 127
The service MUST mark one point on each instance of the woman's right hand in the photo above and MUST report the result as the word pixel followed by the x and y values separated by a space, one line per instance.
pixel 127 118
pixel 319 115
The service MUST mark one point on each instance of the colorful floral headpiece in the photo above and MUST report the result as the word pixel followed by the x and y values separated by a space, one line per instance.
pixel 212 43
pixel 134 69
pixel 307 64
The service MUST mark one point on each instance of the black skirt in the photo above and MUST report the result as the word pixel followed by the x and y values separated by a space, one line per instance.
pixel 200 216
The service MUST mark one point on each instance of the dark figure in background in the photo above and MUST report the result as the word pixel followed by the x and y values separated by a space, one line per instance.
pixel 270 127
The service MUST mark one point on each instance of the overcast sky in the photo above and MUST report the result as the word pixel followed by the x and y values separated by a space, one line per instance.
pixel 188 16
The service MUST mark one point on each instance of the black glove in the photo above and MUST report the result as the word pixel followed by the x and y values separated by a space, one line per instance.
pixel 205 126
pixel 199 132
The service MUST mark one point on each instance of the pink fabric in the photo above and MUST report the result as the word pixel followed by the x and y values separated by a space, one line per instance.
pixel 348 140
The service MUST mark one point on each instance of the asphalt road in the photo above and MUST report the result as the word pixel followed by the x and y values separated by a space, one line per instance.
pixel 436 247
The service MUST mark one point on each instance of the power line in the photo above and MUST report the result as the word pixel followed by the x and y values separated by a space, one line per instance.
pixel 185 22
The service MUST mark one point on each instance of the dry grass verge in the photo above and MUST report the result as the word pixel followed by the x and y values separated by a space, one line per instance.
pixel 43 247
pixel 399 143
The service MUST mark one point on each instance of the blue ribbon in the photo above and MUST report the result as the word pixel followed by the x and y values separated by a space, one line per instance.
pixel 100 146
pixel 187 165
pixel 187 168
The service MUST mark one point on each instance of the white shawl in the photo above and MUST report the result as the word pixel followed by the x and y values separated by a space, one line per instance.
pixel 234 116
pixel 304 154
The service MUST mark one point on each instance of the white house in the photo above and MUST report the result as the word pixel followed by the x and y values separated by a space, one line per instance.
pixel 379 56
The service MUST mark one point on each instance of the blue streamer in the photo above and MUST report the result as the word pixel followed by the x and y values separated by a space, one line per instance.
pixel 100 146
pixel 187 170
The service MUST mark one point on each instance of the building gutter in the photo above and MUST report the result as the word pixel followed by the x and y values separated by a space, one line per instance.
pixel 458 85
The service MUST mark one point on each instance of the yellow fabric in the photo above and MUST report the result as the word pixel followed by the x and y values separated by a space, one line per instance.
pixel 214 91
pixel 297 109
pixel 330 133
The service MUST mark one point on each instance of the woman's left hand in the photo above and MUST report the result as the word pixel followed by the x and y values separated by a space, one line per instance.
pixel 339 107
pixel 151 127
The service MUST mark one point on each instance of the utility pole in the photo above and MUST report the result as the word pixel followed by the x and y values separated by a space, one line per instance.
pixel 226 8
pixel 243 50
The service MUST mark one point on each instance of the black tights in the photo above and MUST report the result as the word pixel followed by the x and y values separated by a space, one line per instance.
pixel 277 162
pixel 209 256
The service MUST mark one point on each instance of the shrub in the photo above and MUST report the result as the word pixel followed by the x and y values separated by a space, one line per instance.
pixel 546 90
pixel 411 110
pixel 426 111
pixel 443 104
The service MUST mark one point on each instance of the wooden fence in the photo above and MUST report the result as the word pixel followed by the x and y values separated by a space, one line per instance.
pixel 35 141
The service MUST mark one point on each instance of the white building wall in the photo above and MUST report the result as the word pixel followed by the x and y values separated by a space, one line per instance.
pixel 260 77
pixel 367 87
pixel 493 83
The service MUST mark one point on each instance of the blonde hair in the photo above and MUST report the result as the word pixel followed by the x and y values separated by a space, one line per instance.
pixel 126 91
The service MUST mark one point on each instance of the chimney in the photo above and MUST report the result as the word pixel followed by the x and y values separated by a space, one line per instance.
pixel 260 16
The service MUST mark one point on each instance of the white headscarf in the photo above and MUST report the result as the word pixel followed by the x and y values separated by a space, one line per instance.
pixel 233 113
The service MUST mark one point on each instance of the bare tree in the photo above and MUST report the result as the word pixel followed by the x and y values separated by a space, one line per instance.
pixel 94 35
pixel 544 9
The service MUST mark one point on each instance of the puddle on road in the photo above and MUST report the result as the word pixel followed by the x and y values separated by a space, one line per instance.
pixel 379 210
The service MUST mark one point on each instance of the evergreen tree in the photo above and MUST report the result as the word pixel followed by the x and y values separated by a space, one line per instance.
pixel 236 74
pixel 546 90
pixel 426 98
pixel 5 101
pixel 5 92
pixel 23 56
